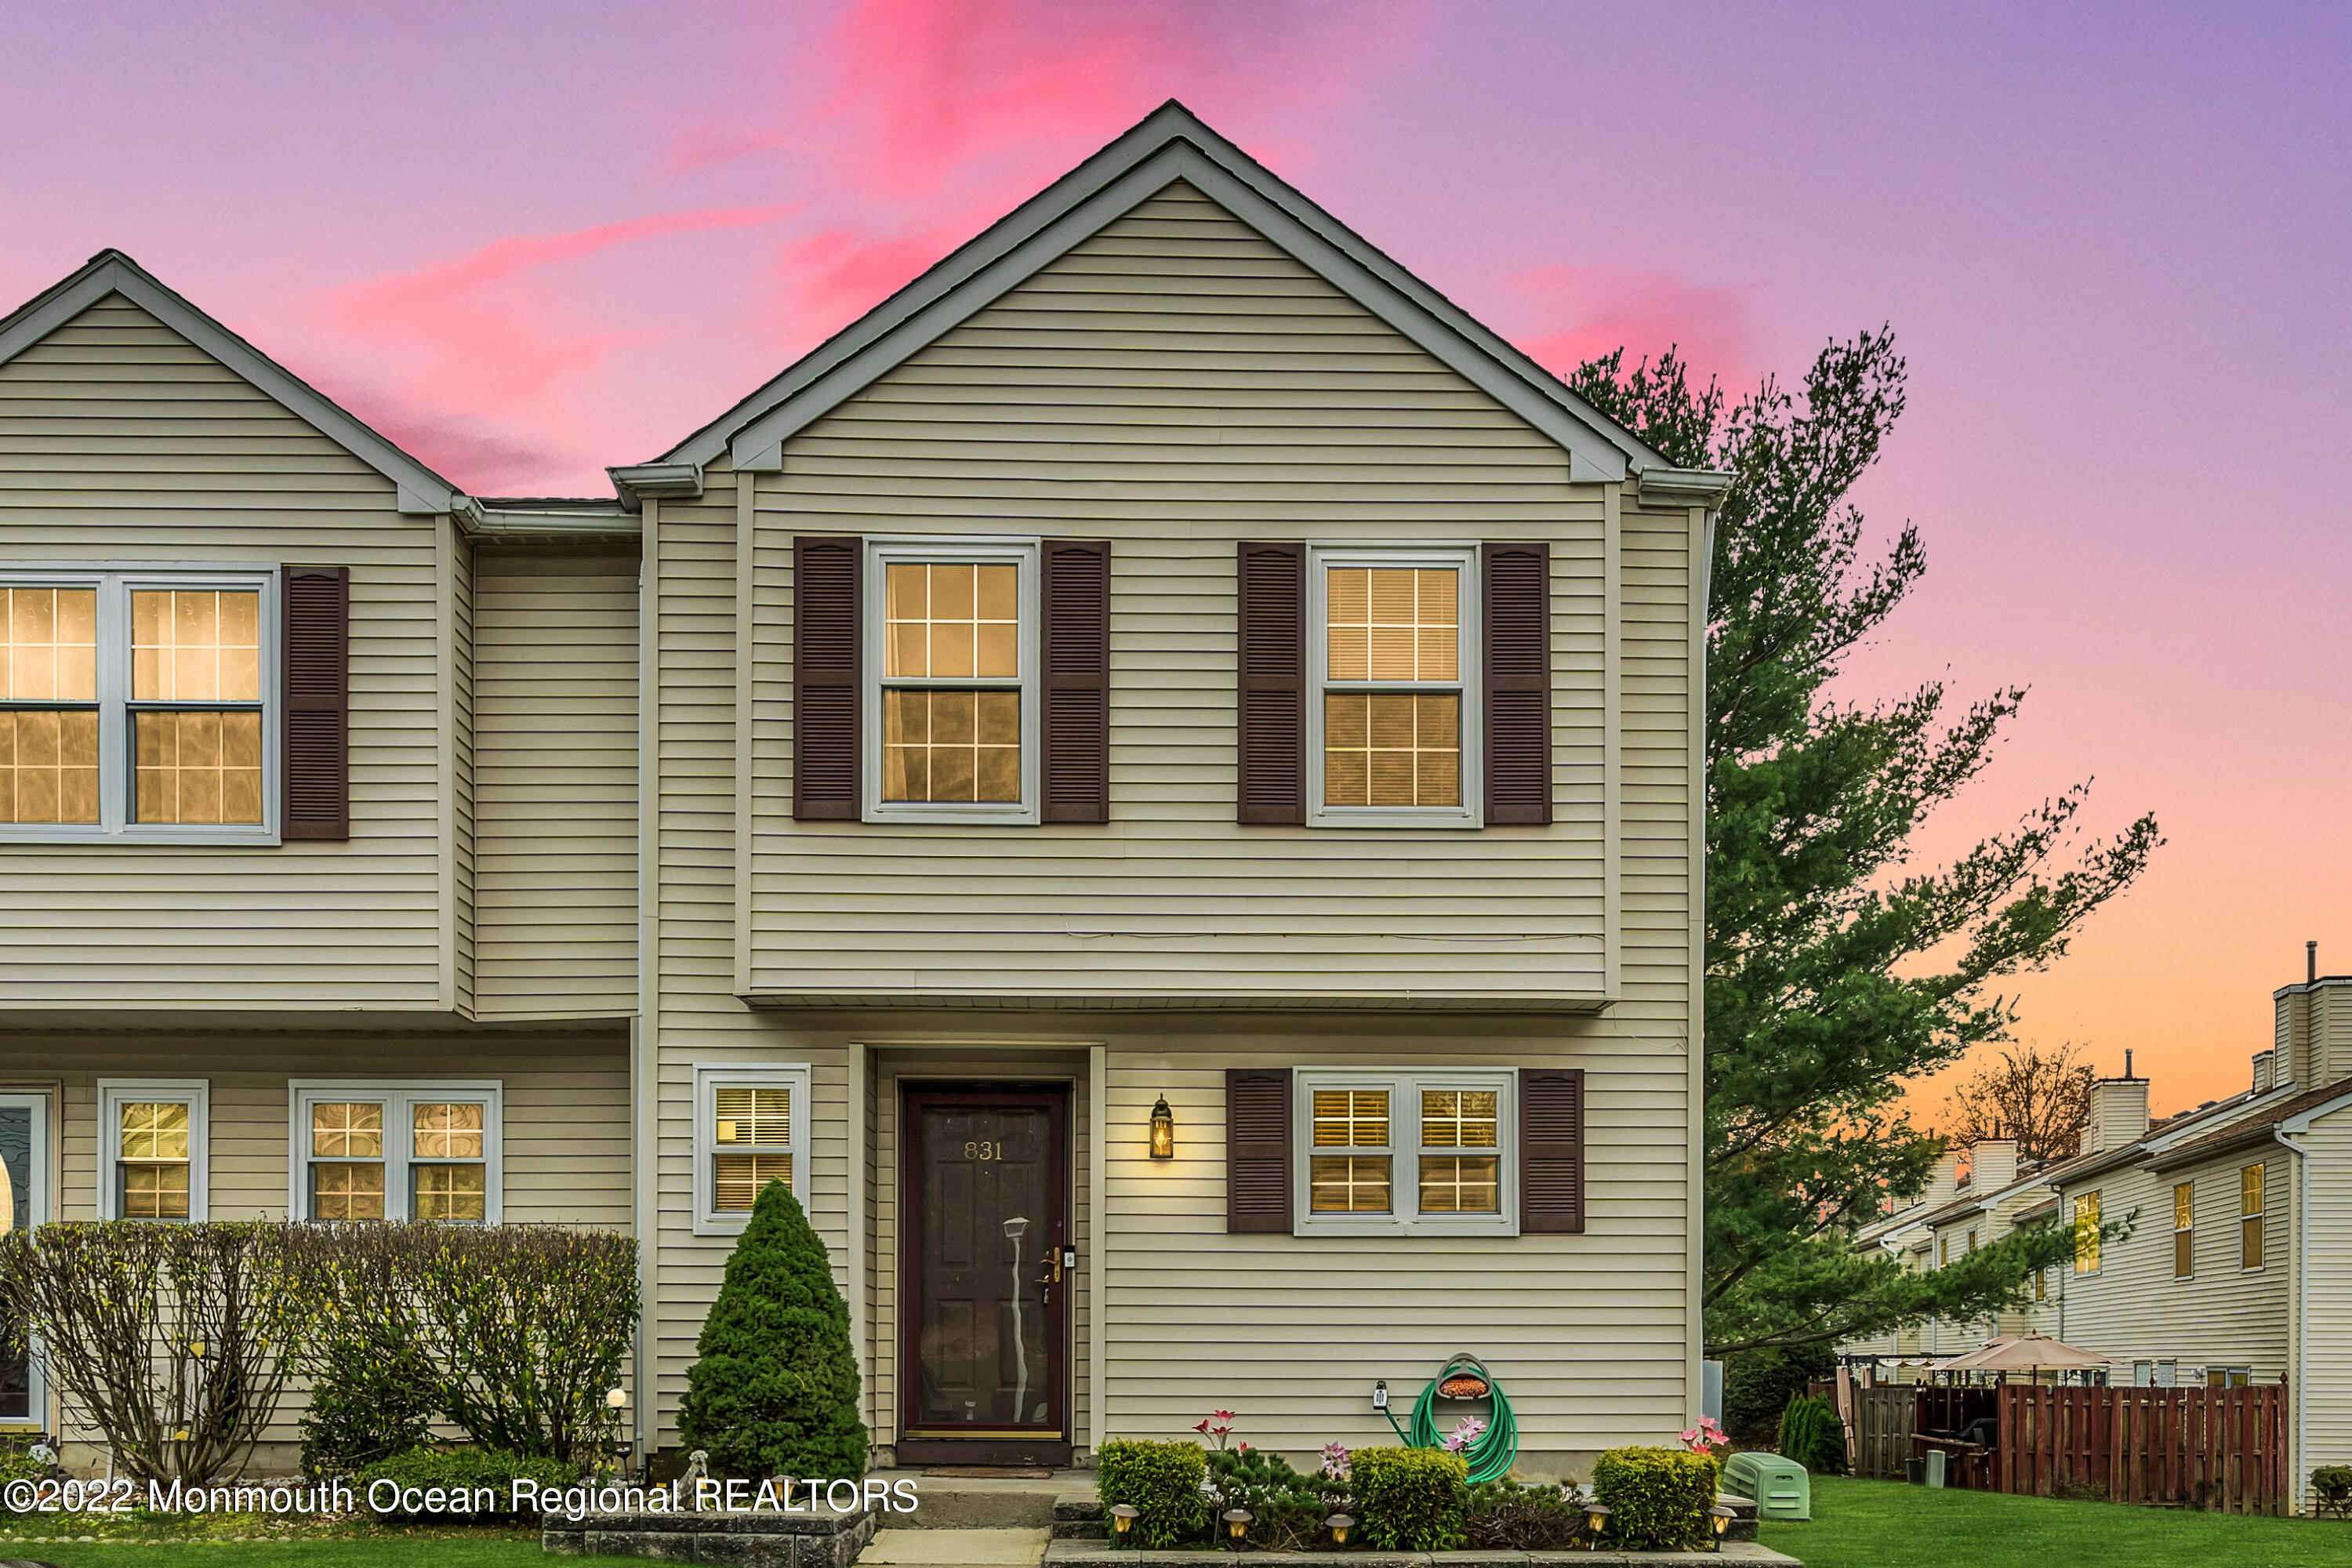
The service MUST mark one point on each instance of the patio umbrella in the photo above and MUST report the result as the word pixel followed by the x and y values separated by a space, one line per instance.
pixel 2024 1352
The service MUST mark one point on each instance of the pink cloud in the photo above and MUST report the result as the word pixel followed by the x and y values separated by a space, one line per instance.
pixel 1585 311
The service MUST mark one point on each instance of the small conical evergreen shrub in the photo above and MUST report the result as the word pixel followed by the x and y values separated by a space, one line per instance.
pixel 774 1388
pixel 1812 1434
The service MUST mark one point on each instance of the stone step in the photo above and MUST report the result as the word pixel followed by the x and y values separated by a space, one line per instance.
pixel 992 1503
pixel 902 1548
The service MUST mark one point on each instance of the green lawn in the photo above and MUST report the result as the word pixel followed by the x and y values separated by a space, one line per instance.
pixel 1886 1524
pixel 382 1549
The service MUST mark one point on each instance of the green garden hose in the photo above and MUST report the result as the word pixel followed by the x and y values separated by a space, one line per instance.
pixel 1491 1453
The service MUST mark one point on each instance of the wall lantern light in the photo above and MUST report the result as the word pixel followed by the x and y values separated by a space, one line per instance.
pixel 1163 1130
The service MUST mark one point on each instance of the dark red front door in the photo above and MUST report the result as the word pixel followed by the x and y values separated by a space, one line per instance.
pixel 984 1356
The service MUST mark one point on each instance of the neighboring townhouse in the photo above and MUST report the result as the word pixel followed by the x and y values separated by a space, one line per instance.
pixel 1151 779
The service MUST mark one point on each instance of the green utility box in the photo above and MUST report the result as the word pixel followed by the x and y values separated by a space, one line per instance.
pixel 1779 1486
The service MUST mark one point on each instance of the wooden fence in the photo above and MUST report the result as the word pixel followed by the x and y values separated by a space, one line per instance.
pixel 1883 1420
pixel 2219 1449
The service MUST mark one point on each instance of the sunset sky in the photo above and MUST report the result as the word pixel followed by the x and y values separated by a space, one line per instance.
pixel 526 241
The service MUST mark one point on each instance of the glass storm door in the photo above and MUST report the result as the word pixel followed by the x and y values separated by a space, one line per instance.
pixel 24 1183
pixel 987 1178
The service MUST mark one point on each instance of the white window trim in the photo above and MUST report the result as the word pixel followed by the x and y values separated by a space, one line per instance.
pixel 708 1081
pixel 36 1156
pixel 115 784
pixel 196 1093
pixel 398 1096
pixel 1470 665
pixel 2259 1217
pixel 880 552
pixel 1404 1086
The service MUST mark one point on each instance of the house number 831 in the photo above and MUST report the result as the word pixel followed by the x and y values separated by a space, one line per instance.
pixel 983 1150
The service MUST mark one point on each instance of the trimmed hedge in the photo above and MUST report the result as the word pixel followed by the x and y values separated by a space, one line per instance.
pixel 1813 1434
pixel 1658 1498
pixel 2332 1487
pixel 1162 1480
pixel 1412 1500
pixel 464 1469
pixel 368 1403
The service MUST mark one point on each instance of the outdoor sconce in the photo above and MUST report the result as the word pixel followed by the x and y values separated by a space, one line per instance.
pixel 1722 1518
pixel 1237 1522
pixel 1340 1524
pixel 1596 1518
pixel 1163 1130
pixel 1122 1518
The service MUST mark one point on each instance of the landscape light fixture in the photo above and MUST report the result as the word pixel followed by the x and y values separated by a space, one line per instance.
pixel 1237 1522
pixel 1340 1524
pixel 1722 1518
pixel 1163 1130
pixel 618 1399
pixel 1596 1518
pixel 1122 1518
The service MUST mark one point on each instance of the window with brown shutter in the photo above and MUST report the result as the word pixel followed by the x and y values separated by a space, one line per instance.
pixel 317 685
pixel 1271 652
pixel 1514 580
pixel 1257 1149
pixel 825 735
pixel 1077 680
pixel 1392 686
pixel 1551 1150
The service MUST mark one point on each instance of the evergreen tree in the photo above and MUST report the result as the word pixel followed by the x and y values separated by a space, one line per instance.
pixel 774 1388
pixel 1838 971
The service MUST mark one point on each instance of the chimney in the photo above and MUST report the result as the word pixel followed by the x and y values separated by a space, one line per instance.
pixel 2119 1110
pixel 2313 1035
pixel 1992 1163
pixel 2264 1062
pixel 1946 1180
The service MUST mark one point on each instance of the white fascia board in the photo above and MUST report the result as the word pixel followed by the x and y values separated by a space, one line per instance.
pixel 2295 1125
pixel 1168 145
pixel 422 492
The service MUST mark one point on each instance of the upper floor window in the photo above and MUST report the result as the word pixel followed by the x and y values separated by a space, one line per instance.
pixel 2087 1234
pixel 135 704
pixel 2184 1229
pixel 396 1151
pixel 2249 1217
pixel 953 652
pixel 1419 1151
pixel 1396 737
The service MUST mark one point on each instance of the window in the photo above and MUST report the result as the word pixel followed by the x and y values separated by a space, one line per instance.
pixel 153 1154
pixel 135 704
pixel 1943 1252
pixel 374 1151
pixel 2249 1217
pixel 953 649
pixel 2228 1376
pixel 1397 742
pixel 2184 1221
pixel 1972 1240
pixel 2087 1234
pixel 1407 1151
pixel 750 1128
pixel 2042 1284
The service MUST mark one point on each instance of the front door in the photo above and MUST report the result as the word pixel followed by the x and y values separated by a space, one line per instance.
pixel 24 1179
pixel 983 1357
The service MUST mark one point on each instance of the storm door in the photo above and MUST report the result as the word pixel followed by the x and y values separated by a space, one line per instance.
pixel 984 1356
pixel 23 1197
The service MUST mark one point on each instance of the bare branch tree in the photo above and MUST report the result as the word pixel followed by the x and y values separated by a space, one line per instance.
pixel 2041 1099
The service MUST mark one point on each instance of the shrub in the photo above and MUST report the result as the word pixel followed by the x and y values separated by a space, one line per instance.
pixel 774 1388
pixel 1657 1499
pixel 523 1328
pixel 1289 1507
pixel 473 1470
pixel 1812 1434
pixel 150 1330
pixel 1161 1481
pixel 1523 1518
pixel 368 1402
pixel 1414 1500
pixel 1759 1384
pixel 2331 1484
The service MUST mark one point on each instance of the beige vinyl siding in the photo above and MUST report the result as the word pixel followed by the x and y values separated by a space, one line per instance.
pixel 2133 1308
pixel 1176 383
pixel 461 748
pixel 2326 1349
pixel 555 782
pixel 119 440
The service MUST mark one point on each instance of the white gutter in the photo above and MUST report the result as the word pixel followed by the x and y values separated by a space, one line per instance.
pixel 2299 1332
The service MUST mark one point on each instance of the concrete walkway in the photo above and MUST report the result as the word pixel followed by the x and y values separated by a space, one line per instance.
pixel 997 1548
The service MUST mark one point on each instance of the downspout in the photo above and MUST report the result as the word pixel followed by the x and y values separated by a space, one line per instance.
pixel 2298 1299
pixel 645 1038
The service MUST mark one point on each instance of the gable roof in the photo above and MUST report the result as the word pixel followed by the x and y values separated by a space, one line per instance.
pixel 1170 144
pixel 422 491
pixel 2256 1129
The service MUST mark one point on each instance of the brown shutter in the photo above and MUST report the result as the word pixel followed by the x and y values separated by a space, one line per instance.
pixel 1076 720
pixel 1515 588
pixel 314 679
pixel 1551 1149
pixel 1257 1149
pixel 1271 720
pixel 826 612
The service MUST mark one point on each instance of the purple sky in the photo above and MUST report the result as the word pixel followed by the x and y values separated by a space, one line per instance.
pixel 529 241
